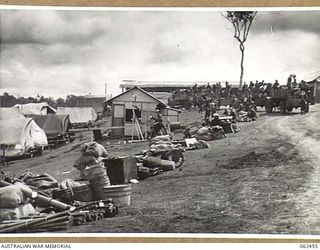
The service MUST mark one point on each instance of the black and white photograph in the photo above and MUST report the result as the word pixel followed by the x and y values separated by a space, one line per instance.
pixel 160 120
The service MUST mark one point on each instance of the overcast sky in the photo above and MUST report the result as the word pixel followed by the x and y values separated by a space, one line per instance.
pixel 61 52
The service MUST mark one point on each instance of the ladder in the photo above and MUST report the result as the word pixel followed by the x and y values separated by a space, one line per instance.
pixel 136 125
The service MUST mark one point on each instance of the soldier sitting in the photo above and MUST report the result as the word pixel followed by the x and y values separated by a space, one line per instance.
pixel 252 114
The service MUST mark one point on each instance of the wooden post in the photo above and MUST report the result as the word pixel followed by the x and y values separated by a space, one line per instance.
pixel 3 159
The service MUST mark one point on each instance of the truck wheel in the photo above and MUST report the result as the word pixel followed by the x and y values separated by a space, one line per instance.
pixel 40 152
pixel 282 107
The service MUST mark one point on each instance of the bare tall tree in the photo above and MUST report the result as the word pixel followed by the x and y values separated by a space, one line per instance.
pixel 241 22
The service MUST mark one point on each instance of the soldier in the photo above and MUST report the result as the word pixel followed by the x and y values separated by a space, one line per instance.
pixel 305 86
pixel 208 86
pixel 212 108
pixel 187 132
pixel 303 104
pixel 234 115
pixel 195 88
pixel 158 124
pixel 294 82
pixel 207 109
pixel 201 103
pixel 252 114
pixel 289 82
pixel 216 121
pixel 226 112
pixel 228 89
pixel 257 85
pixel 268 88
pixel 251 85
pixel 276 85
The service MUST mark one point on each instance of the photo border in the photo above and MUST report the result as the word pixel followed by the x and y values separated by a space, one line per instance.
pixel 167 3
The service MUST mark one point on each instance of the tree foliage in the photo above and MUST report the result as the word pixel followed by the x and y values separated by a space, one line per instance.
pixel 8 100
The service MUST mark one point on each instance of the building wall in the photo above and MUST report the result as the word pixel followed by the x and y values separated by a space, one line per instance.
pixel 316 91
pixel 171 115
pixel 147 109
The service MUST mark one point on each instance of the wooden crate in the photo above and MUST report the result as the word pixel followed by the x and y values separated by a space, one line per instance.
pixel 121 170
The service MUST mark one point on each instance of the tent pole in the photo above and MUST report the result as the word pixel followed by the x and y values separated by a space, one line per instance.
pixel 3 163
pixel 133 122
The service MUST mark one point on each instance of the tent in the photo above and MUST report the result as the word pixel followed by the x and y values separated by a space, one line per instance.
pixel 20 136
pixel 7 113
pixel 30 109
pixel 78 115
pixel 53 125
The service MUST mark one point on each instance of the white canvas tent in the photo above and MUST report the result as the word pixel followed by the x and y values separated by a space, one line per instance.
pixel 21 135
pixel 8 113
pixel 78 115
pixel 31 109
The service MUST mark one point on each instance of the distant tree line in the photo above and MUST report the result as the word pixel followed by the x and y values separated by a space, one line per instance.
pixel 8 100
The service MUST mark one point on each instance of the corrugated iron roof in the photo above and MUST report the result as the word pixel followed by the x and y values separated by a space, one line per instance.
pixel 180 84
pixel 314 76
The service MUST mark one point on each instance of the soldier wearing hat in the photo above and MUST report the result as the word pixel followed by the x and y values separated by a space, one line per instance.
pixel 158 124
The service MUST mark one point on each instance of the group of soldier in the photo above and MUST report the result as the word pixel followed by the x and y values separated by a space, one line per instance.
pixel 207 98
pixel 241 102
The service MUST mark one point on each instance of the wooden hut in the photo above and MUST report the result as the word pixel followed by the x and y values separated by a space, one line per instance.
pixel 137 103
pixel 314 83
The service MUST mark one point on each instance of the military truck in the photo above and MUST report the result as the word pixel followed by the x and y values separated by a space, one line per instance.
pixel 287 99
pixel 180 99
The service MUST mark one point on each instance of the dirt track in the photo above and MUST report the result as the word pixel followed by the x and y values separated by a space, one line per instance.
pixel 264 179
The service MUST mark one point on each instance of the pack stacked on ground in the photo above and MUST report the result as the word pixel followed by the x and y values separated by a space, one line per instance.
pixel 203 131
pixel 70 190
pixel 154 162
pixel 93 149
pixel 14 203
pixel 92 168
pixel 42 181
pixel 160 139
pixel 162 146
pixel 209 133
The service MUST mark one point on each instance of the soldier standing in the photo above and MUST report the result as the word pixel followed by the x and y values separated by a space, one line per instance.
pixel 289 81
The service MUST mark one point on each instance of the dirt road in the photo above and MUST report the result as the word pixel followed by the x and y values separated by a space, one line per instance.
pixel 264 179
pixel 304 134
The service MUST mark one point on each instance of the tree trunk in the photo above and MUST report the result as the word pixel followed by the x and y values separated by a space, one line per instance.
pixel 241 63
